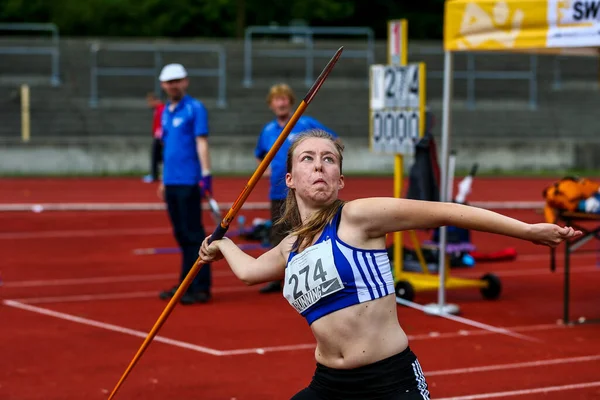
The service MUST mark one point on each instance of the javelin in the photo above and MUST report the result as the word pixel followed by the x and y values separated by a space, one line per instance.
pixel 224 225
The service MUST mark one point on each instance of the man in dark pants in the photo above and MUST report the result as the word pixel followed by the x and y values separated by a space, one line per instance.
pixel 186 175
pixel 280 100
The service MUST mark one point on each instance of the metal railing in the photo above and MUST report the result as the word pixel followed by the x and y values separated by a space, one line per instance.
pixel 157 50
pixel 53 50
pixel 309 53
pixel 471 75
pixel 557 75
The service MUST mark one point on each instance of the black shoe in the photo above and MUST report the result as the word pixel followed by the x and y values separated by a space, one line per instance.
pixel 271 287
pixel 196 297
pixel 167 294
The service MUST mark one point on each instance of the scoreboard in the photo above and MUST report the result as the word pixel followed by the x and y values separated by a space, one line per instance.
pixel 396 102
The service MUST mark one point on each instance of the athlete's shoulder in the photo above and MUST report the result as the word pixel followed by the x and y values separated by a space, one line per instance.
pixel 286 245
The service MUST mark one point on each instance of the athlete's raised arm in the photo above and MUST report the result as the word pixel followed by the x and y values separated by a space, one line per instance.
pixel 378 216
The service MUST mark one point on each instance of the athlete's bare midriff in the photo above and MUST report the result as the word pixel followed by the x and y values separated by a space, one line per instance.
pixel 359 335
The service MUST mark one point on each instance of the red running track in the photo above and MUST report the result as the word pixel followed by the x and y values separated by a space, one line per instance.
pixel 77 303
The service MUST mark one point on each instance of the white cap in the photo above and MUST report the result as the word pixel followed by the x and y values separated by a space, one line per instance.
pixel 171 72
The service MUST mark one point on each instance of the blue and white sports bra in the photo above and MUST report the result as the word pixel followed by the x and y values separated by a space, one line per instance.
pixel 331 275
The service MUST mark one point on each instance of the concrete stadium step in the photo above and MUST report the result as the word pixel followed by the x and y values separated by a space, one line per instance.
pixel 501 108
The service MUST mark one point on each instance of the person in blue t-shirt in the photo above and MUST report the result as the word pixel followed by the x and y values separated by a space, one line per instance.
pixel 280 100
pixel 186 177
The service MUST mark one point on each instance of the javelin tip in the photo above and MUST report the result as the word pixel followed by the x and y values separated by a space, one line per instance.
pixel 317 84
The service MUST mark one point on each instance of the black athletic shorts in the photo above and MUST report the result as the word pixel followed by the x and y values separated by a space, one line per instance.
pixel 398 377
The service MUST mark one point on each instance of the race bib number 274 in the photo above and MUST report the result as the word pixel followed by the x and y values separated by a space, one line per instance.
pixel 310 276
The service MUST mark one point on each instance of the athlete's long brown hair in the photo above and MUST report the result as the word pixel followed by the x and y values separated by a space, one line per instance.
pixel 306 232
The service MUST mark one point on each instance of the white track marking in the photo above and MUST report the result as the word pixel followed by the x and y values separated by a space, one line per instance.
pixel 87 233
pixel 86 297
pixel 115 296
pixel 109 327
pixel 159 277
pixel 271 349
pixel 466 321
pixel 89 281
pixel 525 392
pixel 559 256
pixel 500 367
pixel 101 280
pixel 479 332
pixel 65 233
pixel 7 207
pixel 263 350
pixel 501 205
pixel 529 272
pixel 147 294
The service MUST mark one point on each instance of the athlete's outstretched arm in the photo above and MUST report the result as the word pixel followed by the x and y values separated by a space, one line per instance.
pixel 378 216
pixel 269 267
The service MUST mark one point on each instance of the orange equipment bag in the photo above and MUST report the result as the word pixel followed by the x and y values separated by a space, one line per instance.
pixel 565 195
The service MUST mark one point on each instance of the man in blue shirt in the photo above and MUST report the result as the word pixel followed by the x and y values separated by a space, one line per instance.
pixel 186 176
pixel 280 100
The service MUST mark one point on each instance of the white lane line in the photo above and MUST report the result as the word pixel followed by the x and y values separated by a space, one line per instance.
pixel 101 279
pixel 87 233
pixel 109 327
pixel 500 367
pixel 525 392
pixel 116 296
pixel 528 272
pixel 159 277
pixel 466 321
pixel 271 349
pixel 263 350
pixel 41 207
pixel 88 281
pixel 251 205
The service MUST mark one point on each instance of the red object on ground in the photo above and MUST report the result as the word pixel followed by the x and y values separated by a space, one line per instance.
pixel 508 254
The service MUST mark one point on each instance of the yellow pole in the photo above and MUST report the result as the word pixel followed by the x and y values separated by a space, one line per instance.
pixel 399 160
pixel 25 118
pixel 422 100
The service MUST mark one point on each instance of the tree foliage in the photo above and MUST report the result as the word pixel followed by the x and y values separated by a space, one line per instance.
pixel 218 18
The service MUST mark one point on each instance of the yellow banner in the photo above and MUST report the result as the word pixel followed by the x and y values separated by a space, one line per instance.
pixel 487 25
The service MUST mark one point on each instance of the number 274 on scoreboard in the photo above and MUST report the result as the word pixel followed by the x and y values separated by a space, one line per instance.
pixel 395 87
